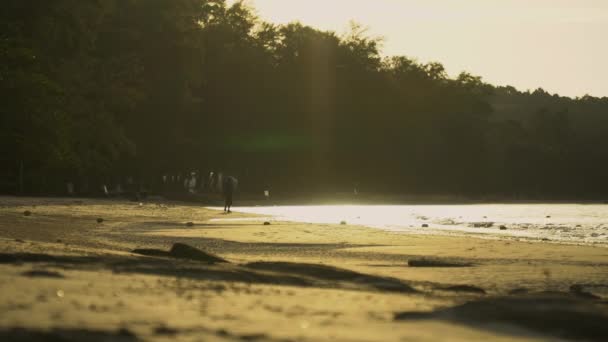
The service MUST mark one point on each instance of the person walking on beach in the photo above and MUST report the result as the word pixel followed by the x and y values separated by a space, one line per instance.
pixel 229 185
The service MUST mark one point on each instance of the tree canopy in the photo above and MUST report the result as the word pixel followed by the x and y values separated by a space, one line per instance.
pixel 96 91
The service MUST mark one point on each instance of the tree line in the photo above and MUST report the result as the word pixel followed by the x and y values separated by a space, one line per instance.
pixel 98 91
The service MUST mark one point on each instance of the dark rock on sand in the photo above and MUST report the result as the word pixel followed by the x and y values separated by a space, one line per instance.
pixel 343 223
pixel 254 337
pixel 436 263
pixel 503 227
pixel 42 274
pixel 579 291
pixel 182 251
pixel 464 288
pixel 267 223
pixel 222 332
pixel 518 291
pixel 99 220
pixel 164 330
pixel 189 224
pixel 424 225
pixel 27 213
pixel 247 337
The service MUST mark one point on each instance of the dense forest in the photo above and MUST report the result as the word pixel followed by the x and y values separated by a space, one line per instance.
pixel 116 91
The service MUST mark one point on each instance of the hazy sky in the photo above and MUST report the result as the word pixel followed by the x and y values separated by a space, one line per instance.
pixel 559 45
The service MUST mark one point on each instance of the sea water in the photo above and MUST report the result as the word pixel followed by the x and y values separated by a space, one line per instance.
pixel 565 223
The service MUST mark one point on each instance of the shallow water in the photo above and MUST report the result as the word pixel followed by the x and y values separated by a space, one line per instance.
pixel 566 223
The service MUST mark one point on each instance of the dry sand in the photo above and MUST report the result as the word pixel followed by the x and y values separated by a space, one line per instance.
pixel 63 275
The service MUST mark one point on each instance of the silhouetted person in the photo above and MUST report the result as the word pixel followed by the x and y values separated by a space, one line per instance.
pixel 228 187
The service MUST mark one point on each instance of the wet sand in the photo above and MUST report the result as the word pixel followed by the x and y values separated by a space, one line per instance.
pixel 64 275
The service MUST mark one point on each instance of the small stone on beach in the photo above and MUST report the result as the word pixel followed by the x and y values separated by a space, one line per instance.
pixel 267 223
pixel 27 213
pixel 99 220
pixel 424 225
pixel 343 223
pixel 503 227
pixel 190 224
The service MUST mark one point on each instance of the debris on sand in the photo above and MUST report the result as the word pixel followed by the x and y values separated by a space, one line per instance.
pixel 182 251
pixel 190 224
pixel 436 263
pixel 503 227
pixel 42 274
pixel 519 291
pixel 579 291
pixel 27 213
pixel 465 288
pixel 482 224
pixel 343 223
pixel 424 225
pixel 99 220
pixel 267 223
pixel 164 330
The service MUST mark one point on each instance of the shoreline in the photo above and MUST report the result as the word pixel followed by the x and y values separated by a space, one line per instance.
pixel 443 220
pixel 439 233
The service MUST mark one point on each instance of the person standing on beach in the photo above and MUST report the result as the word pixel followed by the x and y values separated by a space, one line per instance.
pixel 229 185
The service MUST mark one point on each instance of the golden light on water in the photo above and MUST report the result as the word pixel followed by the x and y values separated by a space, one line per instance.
pixel 564 222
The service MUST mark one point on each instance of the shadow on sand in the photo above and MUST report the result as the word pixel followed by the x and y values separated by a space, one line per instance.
pixel 565 315
pixel 66 335
pixel 217 269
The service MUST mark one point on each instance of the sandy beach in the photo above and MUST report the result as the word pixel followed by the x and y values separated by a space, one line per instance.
pixel 97 270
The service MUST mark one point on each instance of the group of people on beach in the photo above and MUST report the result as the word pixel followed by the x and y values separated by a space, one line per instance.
pixel 216 182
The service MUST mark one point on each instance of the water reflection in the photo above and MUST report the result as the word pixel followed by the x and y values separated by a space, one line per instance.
pixel 578 223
